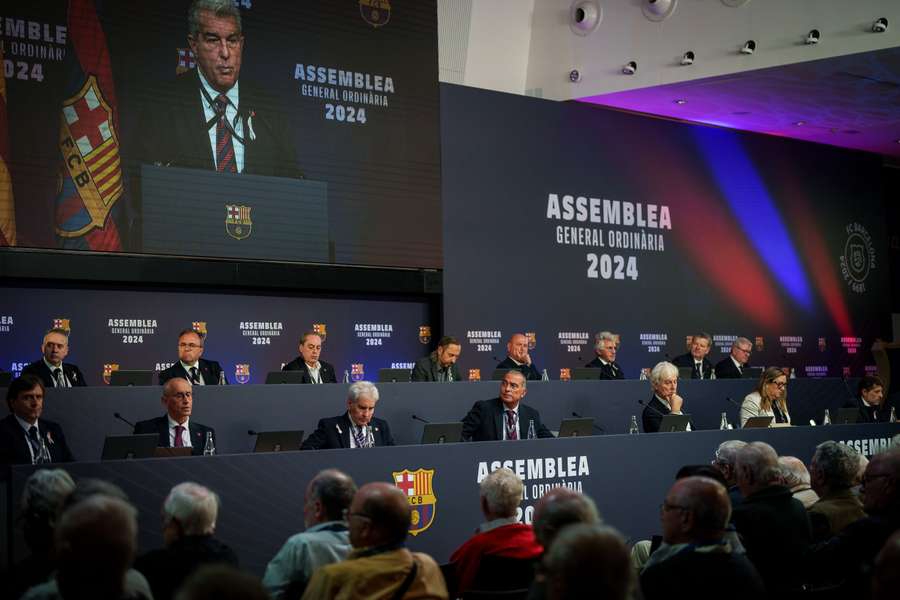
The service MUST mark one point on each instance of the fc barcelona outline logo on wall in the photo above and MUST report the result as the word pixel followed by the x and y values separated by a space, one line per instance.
pixel 108 369
pixel 242 373
pixel 418 488
pixel 424 334
pixel 531 336
pixel 376 13
pixel 237 221
pixel 61 323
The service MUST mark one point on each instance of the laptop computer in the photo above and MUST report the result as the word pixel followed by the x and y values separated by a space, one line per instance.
pixel 674 423
pixel 442 433
pixel 284 377
pixel 118 447
pixel 576 427
pixel 586 373
pixel 685 372
pixel 278 441
pixel 847 416
pixel 393 375
pixel 127 377
pixel 762 421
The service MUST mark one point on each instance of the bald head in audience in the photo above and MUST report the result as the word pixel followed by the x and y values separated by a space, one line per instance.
pixel 379 515
pixel 881 484
pixel 886 575
pixel 588 561
pixel 757 467
pixel 696 511
pixel 559 508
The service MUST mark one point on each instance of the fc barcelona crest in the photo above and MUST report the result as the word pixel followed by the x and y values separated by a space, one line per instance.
pixel 424 334
pixel 185 61
pixel 688 341
pixel 357 371
pixel 242 373
pixel 319 328
pixel 565 374
pixel 237 221
pixel 474 374
pixel 760 344
pixel 823 346
pixel 376 13
pixel 108 370
pixel 532 339
pixel 199 327
pixel 417 487
pixel 62 324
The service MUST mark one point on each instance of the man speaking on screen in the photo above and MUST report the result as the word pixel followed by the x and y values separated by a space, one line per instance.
pixel 212 119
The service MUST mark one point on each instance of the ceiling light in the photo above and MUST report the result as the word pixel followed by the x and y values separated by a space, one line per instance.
pixel 630 68
pixel 687 58
pixel 812 37
pixel 681 102
pixel 749 47
pixel 584 16
pixel 659 10
pixel 574 76
pixel 880 25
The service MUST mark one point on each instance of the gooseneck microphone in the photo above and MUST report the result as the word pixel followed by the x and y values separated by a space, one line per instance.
pixel 594 425
pixel 418 418
pixel 123 419
pixel 252 432
pixel 651 407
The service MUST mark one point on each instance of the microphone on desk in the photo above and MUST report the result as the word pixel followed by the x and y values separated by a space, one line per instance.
pixel 733 401
pixel 123 419
pixel 595 426
pixel 651 407
pixel 418 418
pixel 252 432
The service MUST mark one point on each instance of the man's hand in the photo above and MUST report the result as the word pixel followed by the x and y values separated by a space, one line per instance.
pixel 675 402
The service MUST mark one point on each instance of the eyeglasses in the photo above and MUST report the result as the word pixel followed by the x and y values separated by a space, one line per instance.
pixel 745 350
pixel 189 345
pixel 780 384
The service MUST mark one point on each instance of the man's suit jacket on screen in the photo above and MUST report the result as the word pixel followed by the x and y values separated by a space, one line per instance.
pixel 39 369
pixel 427 368
pixel 610 370
pixel 209 369
pixel 485 421
pixel 334 432
pixel 687 361
pixel 725 369
pixel 530 371
pixel 14 443
pixel 326 371
pixel 160 426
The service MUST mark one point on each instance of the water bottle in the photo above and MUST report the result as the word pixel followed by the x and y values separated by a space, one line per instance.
pixel 346 376
pixel 643 376
pixel 222 378
pixel 826 420
pixel 893 417
pixel 531 433
pixel 633 428
pixel 544 375
pixel 209 448
pixel 793 373
pixel 724 424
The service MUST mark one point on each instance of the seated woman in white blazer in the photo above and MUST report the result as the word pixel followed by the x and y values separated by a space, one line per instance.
pixel 769 399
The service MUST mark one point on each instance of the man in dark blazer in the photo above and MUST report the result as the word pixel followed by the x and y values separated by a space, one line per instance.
pixel 870 401
pixel 207 119
pixel 440 365
pixel 504 418
pixel 665 399
pixel 356 428
pixel 51 369
pixel 175 428
pixel 605 345
pixel 23 433
pixel 190 366
pixel 312 369
pixel 733 365
pixel 518 358
pixel 696 360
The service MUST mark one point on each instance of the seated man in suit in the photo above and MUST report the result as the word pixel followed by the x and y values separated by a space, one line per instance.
pixel 517 357
pixel 26 438
pixel 870 401
pixel 175 428
pixel 313 370
pixel 440 365
pixel 665 399
pixel 504 418
pixel 733 365
pixel 605 345
pixel 50 368
pixel 696 359
pixel 190 366
pixel 356 428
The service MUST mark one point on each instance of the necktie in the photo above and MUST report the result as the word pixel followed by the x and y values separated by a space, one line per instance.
pixel 698 367
pixel 179 441
pixel 195 379
pixel 512 432
pixel 361 440
pixel 35 443
pixel 225 161
pixel 58 376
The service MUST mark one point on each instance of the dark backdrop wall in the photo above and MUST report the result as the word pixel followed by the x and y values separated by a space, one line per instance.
pixel 563 219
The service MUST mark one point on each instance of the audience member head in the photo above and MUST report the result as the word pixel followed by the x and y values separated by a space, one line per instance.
pixel 222 582
pixel 701 471
pixel 664 380
pixel 25 398
pixel 725 458
pixel 834 467
pixel 379 515
pixel 606 345
pixel 696 510
pixel 190 509
pixel 793 473
pixel 328 495
pixel 43 496
pixel 88 487
pixel 96 539
pixel 871 389
pixel 517 347
pixel 311 347
pixel 757 468
pixel 588 561
pixel 55 346
pixel 190 346
pixel 178 399
pixel 886 575
pixel 700 345
pixel 881 484
pixel 559 508
pixel 863 462
pixel 448 351
pixel 741 349
pixel 513 388
pixel 501 493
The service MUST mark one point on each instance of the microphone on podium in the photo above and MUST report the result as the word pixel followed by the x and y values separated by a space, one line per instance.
pixel 123 419
pixel 594 425
pixel 418 418
pixel 651 407
pixel 252 432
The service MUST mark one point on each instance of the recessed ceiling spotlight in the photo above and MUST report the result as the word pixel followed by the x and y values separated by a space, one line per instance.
pixel 880 25
pixel 584 16
pixel 812 37
pixel 574 75
pixel 659 10
pixel 687 58
pixel 799 123
pixel 680 101
pixel 630 68
pixel 749 47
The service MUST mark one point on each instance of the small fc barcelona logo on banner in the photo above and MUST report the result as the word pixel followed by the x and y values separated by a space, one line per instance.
pixel 532 339
pixel 237 221
pixel 688 340
pixel 107 371
pixel 760 344
pixel 565 374
pixel 319 328
pixel 424 333
pixel 357 372
pixel 186 60
pixel 242 373
pixel 62 324
pixel 417 486
pixel 822 345
pixel 474 374
pixel 376 13
pixel 199 327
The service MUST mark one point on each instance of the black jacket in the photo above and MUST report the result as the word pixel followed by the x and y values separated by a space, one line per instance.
pixel 326 371
pixel 484 422
pixel 209 369
pixel 39 369
pixel 428 369
pixel 160 425
pixel 609 371
pixel 870 414
pixel 530 371
pixel 14 445
pixel 167 568
pixel 335 433
pixel 725 369
pixel 687 360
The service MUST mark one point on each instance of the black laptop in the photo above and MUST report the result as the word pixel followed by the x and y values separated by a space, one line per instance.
pixel 576 427
pixel 284 377
pixel 128 378
pixel 278 441
pixel 672 422
pixel 586 373
pixel 118 447
pixel 442 433
pixel 847 416
pixel 393 375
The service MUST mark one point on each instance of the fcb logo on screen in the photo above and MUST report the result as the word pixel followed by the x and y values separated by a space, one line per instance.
pixel 319 328
pixel 688 341
pixel 822 345
pixel 199 327
pixel 565 374
pixel 376 13
pixel 108 370
pixel 62 324
pixel 242 373
pixel 532 339
pixel 237 221
pixel 424 333
pixel 357 372
pixel 474 374
pixel 419 491
pixel 759 344
pixel 185 60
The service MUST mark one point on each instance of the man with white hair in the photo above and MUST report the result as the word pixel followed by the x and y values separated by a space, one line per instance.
pixel 833 472
pixel 733 365
pixel 772 523
pixel 356 428
pixel 665 399
pixel 189 516
pixel 795 477
pixel 606 344
pixel 724 461
pixel 501 535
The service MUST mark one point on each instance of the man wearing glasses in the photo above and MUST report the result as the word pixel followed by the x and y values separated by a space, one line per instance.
pixel 733 365
pixel 190 366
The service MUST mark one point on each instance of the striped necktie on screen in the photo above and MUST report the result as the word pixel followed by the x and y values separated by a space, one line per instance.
pixel 225 160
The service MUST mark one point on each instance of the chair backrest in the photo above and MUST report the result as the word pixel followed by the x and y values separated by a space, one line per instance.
pixel 498 573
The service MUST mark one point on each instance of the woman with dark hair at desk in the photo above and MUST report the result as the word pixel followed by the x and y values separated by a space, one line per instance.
pixel 769 399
